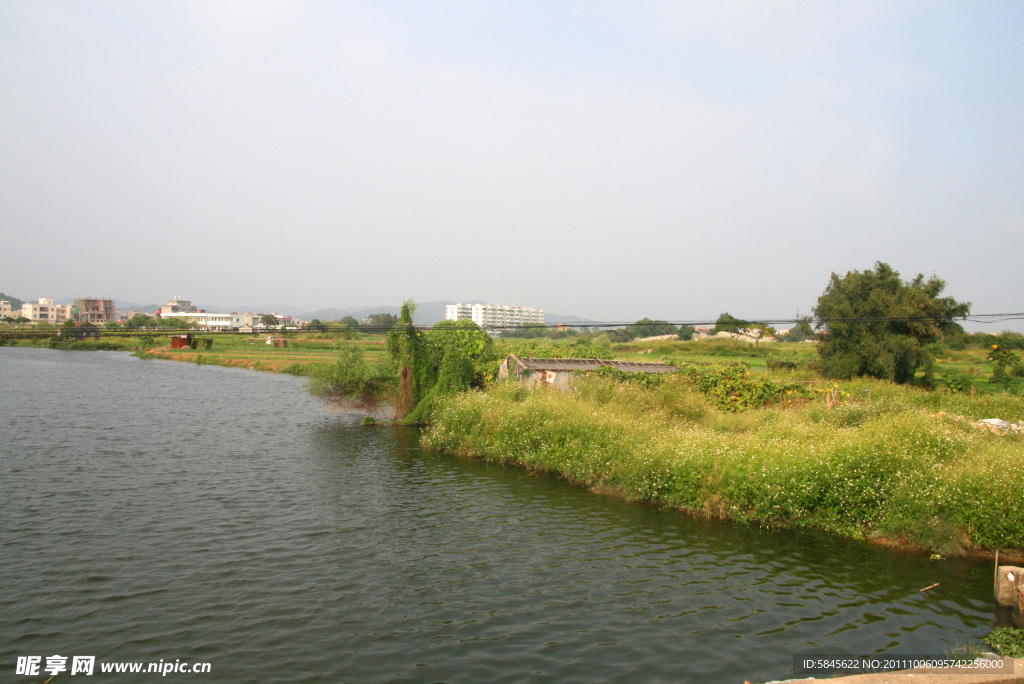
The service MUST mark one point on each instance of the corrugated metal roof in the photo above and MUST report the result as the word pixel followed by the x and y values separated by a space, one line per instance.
pixel 592 364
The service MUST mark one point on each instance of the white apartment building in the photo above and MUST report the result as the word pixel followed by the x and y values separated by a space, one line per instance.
pixel 456 312
pixel 203 320
pixel 490 316
pixel 45 311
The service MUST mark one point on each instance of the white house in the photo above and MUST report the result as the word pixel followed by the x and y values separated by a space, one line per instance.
pixel 45 311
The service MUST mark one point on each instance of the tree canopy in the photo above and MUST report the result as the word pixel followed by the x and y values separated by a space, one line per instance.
pixel 645 327
pixel 141 320
pixel 800 331
pixel 728 323
pixel 878 325
pixel 380 322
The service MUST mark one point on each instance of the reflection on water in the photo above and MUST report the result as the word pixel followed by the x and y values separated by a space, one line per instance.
pixel 159 510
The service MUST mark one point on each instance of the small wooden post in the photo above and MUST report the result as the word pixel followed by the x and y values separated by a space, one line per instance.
pixel 995 580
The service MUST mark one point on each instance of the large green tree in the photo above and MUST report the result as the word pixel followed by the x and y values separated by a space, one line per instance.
pixel 141 320
pixel 878 325
pixel 645 327
pixel 800 331
pixel 728 323
pixel 379 322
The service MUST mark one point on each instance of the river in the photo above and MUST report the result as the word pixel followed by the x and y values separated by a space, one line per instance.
pixel 154 510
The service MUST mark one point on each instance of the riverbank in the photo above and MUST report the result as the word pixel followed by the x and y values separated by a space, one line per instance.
pixel 297 356
pixel 292 363
pixel 891 465
pixel 895 465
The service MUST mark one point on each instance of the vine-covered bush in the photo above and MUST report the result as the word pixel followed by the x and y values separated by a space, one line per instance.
pixel 730 388
pixel 453 354
pixel 545 349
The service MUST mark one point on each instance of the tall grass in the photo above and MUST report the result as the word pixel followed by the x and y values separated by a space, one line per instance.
pixel 903 465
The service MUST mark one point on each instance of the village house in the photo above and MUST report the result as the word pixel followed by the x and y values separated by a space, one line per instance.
pixel 45 311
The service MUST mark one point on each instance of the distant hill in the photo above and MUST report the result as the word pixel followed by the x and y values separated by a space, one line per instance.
pixel 571 320
pixel 427 313
pixel 121 305
pixel 15 302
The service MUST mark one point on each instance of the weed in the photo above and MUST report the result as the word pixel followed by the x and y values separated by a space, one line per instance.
pixel 1007 641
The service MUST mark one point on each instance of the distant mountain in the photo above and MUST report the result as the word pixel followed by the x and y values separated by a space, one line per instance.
pixel 121 305
pixel 15 302
pixel 283 309
pixel 562 318
pixel 427 313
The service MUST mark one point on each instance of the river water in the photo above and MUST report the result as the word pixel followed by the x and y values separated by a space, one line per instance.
pixel 154 510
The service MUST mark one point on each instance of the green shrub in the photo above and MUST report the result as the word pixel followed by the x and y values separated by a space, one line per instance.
pixel 1007 641
pixel 956 381
pixel 782 363
pixel 351 379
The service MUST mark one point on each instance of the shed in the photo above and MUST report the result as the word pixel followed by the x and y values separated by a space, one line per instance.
pixel 181 341
pixel 559 372
pixel 85 330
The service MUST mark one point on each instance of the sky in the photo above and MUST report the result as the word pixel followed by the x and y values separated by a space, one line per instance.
pixel 610 160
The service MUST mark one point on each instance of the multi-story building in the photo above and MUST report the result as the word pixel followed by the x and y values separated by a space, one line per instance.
pixel 44 311
pixel 203 320
pixel 178 305
pixel 93 311
pixel 494 316
pixel 455 312
pixel 5 309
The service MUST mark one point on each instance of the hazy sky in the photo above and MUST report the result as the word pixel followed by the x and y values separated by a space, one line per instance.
pixel 612 160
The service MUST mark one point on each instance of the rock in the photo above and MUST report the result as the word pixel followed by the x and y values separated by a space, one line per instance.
pixel 1008 579
pixel 1001 427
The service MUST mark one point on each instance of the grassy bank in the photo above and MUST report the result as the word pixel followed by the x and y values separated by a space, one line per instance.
pixel 904 465
pixel 300 357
